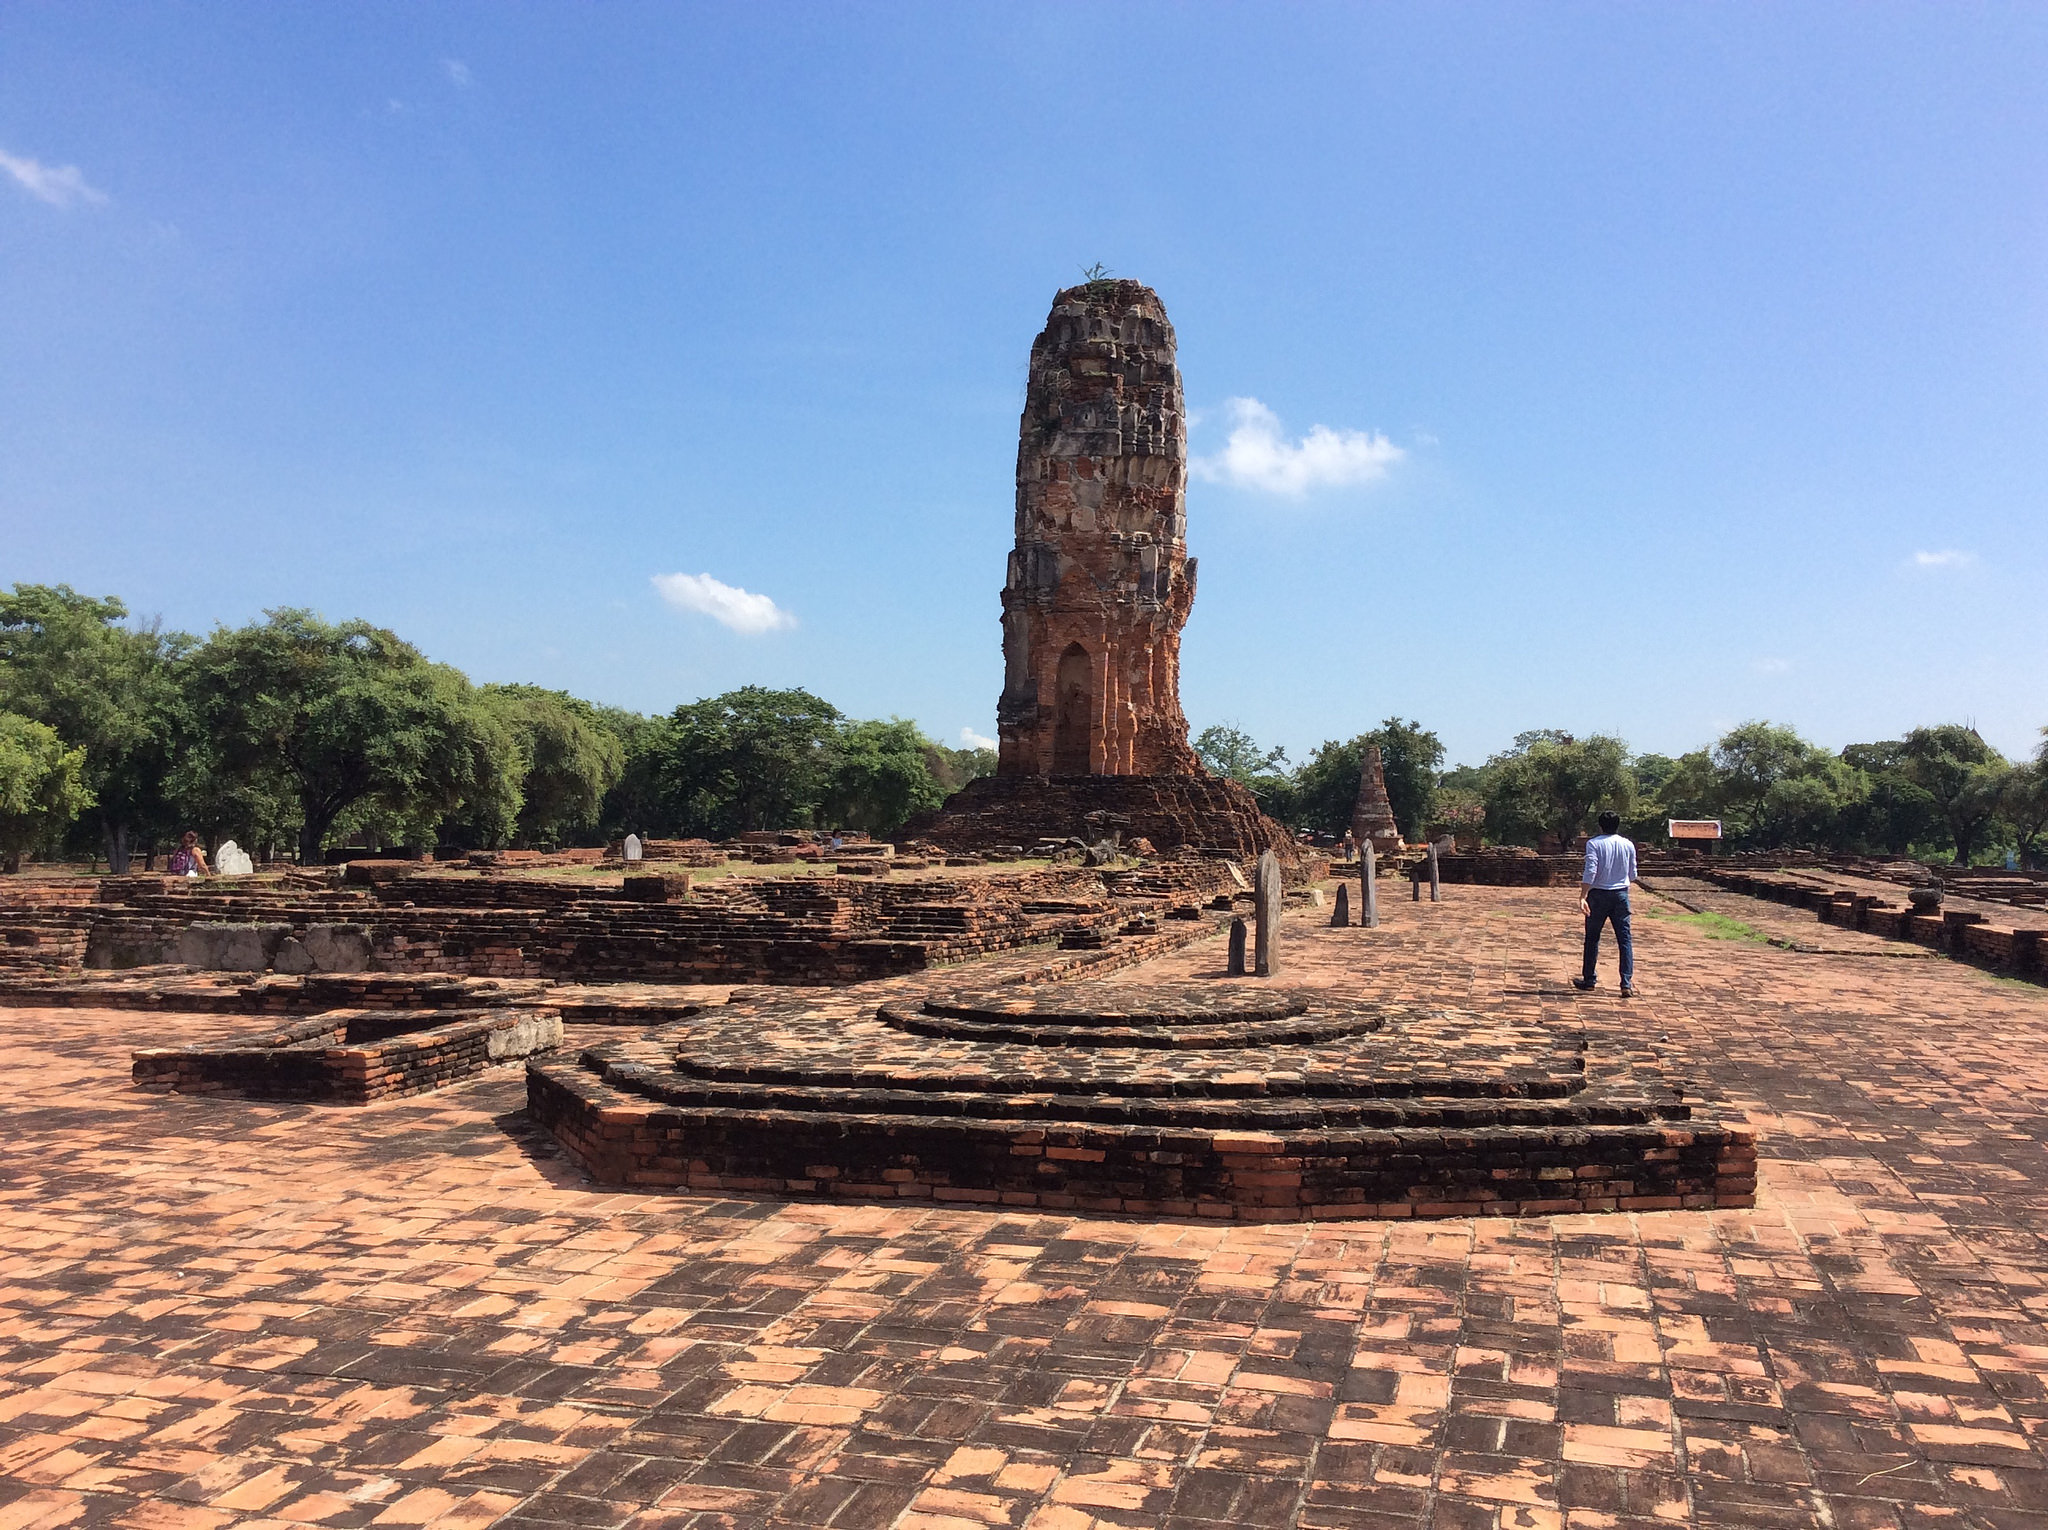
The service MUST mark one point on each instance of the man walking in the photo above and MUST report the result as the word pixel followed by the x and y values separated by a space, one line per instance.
pixel 1603 897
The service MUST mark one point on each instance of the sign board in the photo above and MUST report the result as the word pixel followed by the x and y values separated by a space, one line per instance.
pixel 1694 828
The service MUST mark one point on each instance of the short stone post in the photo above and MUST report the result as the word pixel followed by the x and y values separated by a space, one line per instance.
pixel 1236 967
pixel 1369 914
pixel 1340 917
pixel 1435 881
pixel 1266 913
pixel 631 849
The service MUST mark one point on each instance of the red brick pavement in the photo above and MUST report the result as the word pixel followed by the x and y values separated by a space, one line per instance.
pixel 219 1312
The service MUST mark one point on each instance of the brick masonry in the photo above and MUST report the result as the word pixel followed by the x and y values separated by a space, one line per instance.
pixel 1099 583
pixel 794 930
pixel 221 1312
pixel 351 1057
pixel 1111 1094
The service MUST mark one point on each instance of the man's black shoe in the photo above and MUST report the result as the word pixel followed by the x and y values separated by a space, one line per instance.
pixel 1628 990
pixel 1584 985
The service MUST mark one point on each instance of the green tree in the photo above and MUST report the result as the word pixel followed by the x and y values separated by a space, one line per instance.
pixel 954 768
pixel 1461 811
pixel 113 691
pixel 1811 807
pixel 1227 750
pixel 635 804
pixel 1325 788
pixel 880 775
pixel 2026 808
pixel 1769 787
pixel 346 719
pixel 751 759
pixel 1552 783
pixel 562 756
pixel 1965 776
pixel 1894 817
pixel 42 787
pixel 1749 762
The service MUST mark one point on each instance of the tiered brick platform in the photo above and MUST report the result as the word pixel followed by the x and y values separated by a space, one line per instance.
pixel 1213 1100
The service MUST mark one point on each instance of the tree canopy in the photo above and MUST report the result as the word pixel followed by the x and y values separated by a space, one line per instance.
pixel 340 717
pixel 42 787
pixel 109 691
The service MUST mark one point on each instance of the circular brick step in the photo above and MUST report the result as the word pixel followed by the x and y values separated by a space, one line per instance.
pixel 1202 1114
pixel 1095 1015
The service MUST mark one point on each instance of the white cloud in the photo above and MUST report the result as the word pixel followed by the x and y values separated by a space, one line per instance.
pixel 969 739
pixel 724 603
pixel 1772 666
pixel 59 185
pixel 1258 456
pixel 1947 558
pixel 457 72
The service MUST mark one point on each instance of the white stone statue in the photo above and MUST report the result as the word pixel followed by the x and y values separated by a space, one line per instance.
pixel 231 860
pixel 634 848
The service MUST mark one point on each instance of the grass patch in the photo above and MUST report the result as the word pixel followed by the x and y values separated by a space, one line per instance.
pixel 1715 926
pixel 2009 982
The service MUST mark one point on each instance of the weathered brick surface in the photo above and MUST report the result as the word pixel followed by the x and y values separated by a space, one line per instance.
pixel 806 929
pixel 1173 812
pixel 221 1312
pixel 1099 586
pixel 1372 815
pixel 351 1057
pixel 1130 1094
pixel 1100 582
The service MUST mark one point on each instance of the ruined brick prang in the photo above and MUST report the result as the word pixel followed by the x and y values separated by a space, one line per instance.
pixel 1100 582
pixel 1372 816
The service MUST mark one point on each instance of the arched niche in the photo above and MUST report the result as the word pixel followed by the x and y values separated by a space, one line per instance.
pixel 1073 730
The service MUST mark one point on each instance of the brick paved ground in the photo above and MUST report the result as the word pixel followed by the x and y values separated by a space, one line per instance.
pixel 217 1312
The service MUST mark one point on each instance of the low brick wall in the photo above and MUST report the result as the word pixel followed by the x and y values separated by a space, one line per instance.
pixel 1505 870
pixel 351 1057
pixel 1247 1176
pixel 796 931
pixel 1965 934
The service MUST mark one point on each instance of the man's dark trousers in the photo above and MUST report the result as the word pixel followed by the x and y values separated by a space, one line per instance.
pixel 1609 903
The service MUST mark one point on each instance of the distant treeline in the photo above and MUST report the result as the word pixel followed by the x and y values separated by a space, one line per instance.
pixel 1939 792
pixel 293 734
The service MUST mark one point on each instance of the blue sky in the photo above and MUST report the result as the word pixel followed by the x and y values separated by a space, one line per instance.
pixel 1675 366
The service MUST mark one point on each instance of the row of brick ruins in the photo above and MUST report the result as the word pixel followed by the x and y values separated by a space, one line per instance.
pixel 803 929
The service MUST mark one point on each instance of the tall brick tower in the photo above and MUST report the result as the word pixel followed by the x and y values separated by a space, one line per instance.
pixel 1100 582
pixel 1092 736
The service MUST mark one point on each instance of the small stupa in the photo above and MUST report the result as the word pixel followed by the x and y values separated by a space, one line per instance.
pixel 1372 816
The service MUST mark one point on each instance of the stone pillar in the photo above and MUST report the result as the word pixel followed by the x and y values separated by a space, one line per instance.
pixel 1340 917
pixel 1266 910
pixel 1435 880
pixel 1370 915
pixel 1236 967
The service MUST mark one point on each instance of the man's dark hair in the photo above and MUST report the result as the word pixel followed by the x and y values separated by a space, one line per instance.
pixel 1610 822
